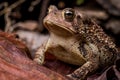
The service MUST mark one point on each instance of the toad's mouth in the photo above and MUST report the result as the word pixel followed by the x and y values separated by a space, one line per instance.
pixel 58 28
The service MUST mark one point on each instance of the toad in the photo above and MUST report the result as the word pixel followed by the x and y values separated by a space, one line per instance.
pixel 76 39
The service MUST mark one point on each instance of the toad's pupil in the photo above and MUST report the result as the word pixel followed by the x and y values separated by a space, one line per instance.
pixel 69 14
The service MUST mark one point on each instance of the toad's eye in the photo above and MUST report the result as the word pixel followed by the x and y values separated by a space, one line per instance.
pixel 69 14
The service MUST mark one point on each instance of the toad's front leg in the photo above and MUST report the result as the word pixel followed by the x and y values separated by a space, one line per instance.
pixel 40 54
pixel 83 71
pixel 90 66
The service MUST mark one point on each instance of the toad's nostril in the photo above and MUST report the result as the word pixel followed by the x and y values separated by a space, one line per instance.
pixel 78 17
pixel 55 13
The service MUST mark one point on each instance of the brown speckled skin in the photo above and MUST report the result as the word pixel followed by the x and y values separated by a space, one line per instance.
pixel 79 41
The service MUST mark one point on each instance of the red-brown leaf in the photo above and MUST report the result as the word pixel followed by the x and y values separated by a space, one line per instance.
pixel 15 64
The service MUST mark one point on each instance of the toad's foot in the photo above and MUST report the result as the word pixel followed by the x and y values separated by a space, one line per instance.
pixel 83 71
pixel 40 59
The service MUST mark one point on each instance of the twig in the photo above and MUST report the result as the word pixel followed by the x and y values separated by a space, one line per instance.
pixel 7 21
pixel 7 11
pixel 33 4
pixel 11 7
pixel 43 13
